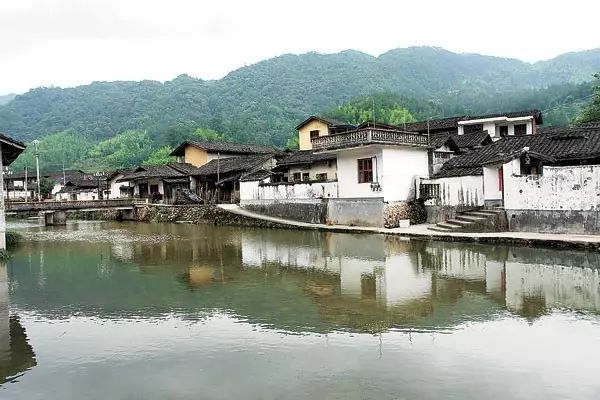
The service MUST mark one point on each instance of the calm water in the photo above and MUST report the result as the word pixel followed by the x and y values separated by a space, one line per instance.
pixel 102 310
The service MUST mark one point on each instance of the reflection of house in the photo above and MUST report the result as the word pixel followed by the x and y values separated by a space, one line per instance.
pixel 16 355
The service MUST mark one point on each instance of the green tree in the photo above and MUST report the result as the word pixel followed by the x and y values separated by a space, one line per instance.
pixel 46 186
pixel 388 110
pixel 63 147
pixel 160 156
pixel 591 112
pixel 293 143
pixel 208 134
pixel 124 150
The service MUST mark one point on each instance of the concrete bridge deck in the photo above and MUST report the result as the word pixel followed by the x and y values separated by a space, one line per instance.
pixel 11 207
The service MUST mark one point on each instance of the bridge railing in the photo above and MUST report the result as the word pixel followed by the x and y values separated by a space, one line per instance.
pixel 68 205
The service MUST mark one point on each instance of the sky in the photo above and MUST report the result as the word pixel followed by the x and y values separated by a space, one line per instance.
pixel 73 42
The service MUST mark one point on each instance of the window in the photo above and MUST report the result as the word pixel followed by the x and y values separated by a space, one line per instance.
pixel 429 191
pixel 440 157
pixel 322 177
pixel 153 189
pixel 314 134
pixel 520 130
pixel 473 128
pixel 305 176
pixel 365 170
pixel 296 176
pixel 503 131
pixel 530 166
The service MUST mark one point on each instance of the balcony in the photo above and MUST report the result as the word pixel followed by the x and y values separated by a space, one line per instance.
pixel 364 137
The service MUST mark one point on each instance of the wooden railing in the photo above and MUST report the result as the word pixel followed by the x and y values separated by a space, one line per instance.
pixel 363 137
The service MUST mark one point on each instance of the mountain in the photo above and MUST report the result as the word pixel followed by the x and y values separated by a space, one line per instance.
pixel 6 98
pixel 263 102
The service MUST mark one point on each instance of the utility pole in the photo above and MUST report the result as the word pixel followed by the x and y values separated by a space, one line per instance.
pixel 36 153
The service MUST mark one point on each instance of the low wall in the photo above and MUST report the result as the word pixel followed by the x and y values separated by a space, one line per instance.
pixel 253 190
pixel 360 212
pixel 554 221
pixel 305 210
pixel 456 194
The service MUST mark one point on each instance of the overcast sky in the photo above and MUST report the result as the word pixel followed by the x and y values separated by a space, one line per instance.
pixel 73 42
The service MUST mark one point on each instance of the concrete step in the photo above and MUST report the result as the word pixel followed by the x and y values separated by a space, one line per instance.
pixel 439 229
pixel 470 218
pixel 448 225
pixel 479 214
pixel 459 222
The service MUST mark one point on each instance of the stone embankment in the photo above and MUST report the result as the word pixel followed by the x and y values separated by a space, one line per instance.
pixel 192 214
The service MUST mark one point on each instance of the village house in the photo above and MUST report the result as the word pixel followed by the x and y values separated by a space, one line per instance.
pixel 497 125
pixel 160 183
pixel 198 153
pixel 119 189
pixel 546 182
pixel 371 172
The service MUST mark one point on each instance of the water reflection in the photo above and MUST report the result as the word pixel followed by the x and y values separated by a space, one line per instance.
pixel 295 280
pixel 135 299
pixel 16 355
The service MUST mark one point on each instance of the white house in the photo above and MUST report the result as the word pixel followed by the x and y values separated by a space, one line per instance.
pixel 378 171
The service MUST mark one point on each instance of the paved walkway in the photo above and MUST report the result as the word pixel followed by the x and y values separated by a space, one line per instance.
pixel 422 231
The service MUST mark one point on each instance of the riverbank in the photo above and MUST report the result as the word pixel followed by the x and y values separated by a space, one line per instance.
pixel 231 214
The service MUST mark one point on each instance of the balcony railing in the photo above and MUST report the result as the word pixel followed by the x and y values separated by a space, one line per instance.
pixel 363 137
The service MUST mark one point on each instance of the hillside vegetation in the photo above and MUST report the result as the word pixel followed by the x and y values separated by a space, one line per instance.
pixel 263 102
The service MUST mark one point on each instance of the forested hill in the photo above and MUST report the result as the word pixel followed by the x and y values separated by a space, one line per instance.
pixel 263 102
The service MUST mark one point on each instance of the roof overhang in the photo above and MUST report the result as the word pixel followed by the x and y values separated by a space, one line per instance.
pixel 496 119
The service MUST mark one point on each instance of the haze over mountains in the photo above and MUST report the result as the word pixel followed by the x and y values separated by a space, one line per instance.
pixel 263 102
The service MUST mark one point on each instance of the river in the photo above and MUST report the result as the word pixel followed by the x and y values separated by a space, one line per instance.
pixel 105 310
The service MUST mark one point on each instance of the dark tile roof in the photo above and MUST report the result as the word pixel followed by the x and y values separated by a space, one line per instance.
pixel 454 172
pixel 435 124
pixel 326 120
pixel 305 157
pixel 11 149
pixel 184 168
pixel 568 144
pixel 152 171
pixel 219 146
pixel 257 175
pixel 233 164
pixel 471 140
pixel 458 142
pixel 452 122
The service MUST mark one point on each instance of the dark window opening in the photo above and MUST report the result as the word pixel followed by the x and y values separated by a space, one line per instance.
pixel 503 131
pixel 153 189
pixel 305 176
pixel 296 176
pixel 520 130
pixel 473 128
pixel 365 170
pixel 314 134
pixel 530 166
pixel 322 177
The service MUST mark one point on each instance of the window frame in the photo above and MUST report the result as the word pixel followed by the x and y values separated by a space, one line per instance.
pixel 365 170
pixel 314 134
pixel 523 127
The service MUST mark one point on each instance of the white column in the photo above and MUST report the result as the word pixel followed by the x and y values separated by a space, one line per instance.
pixel 2 216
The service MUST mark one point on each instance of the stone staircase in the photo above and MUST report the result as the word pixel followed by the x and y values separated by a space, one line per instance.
pixel 479 220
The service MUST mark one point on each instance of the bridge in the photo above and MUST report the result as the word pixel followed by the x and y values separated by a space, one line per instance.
pixel 55 212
